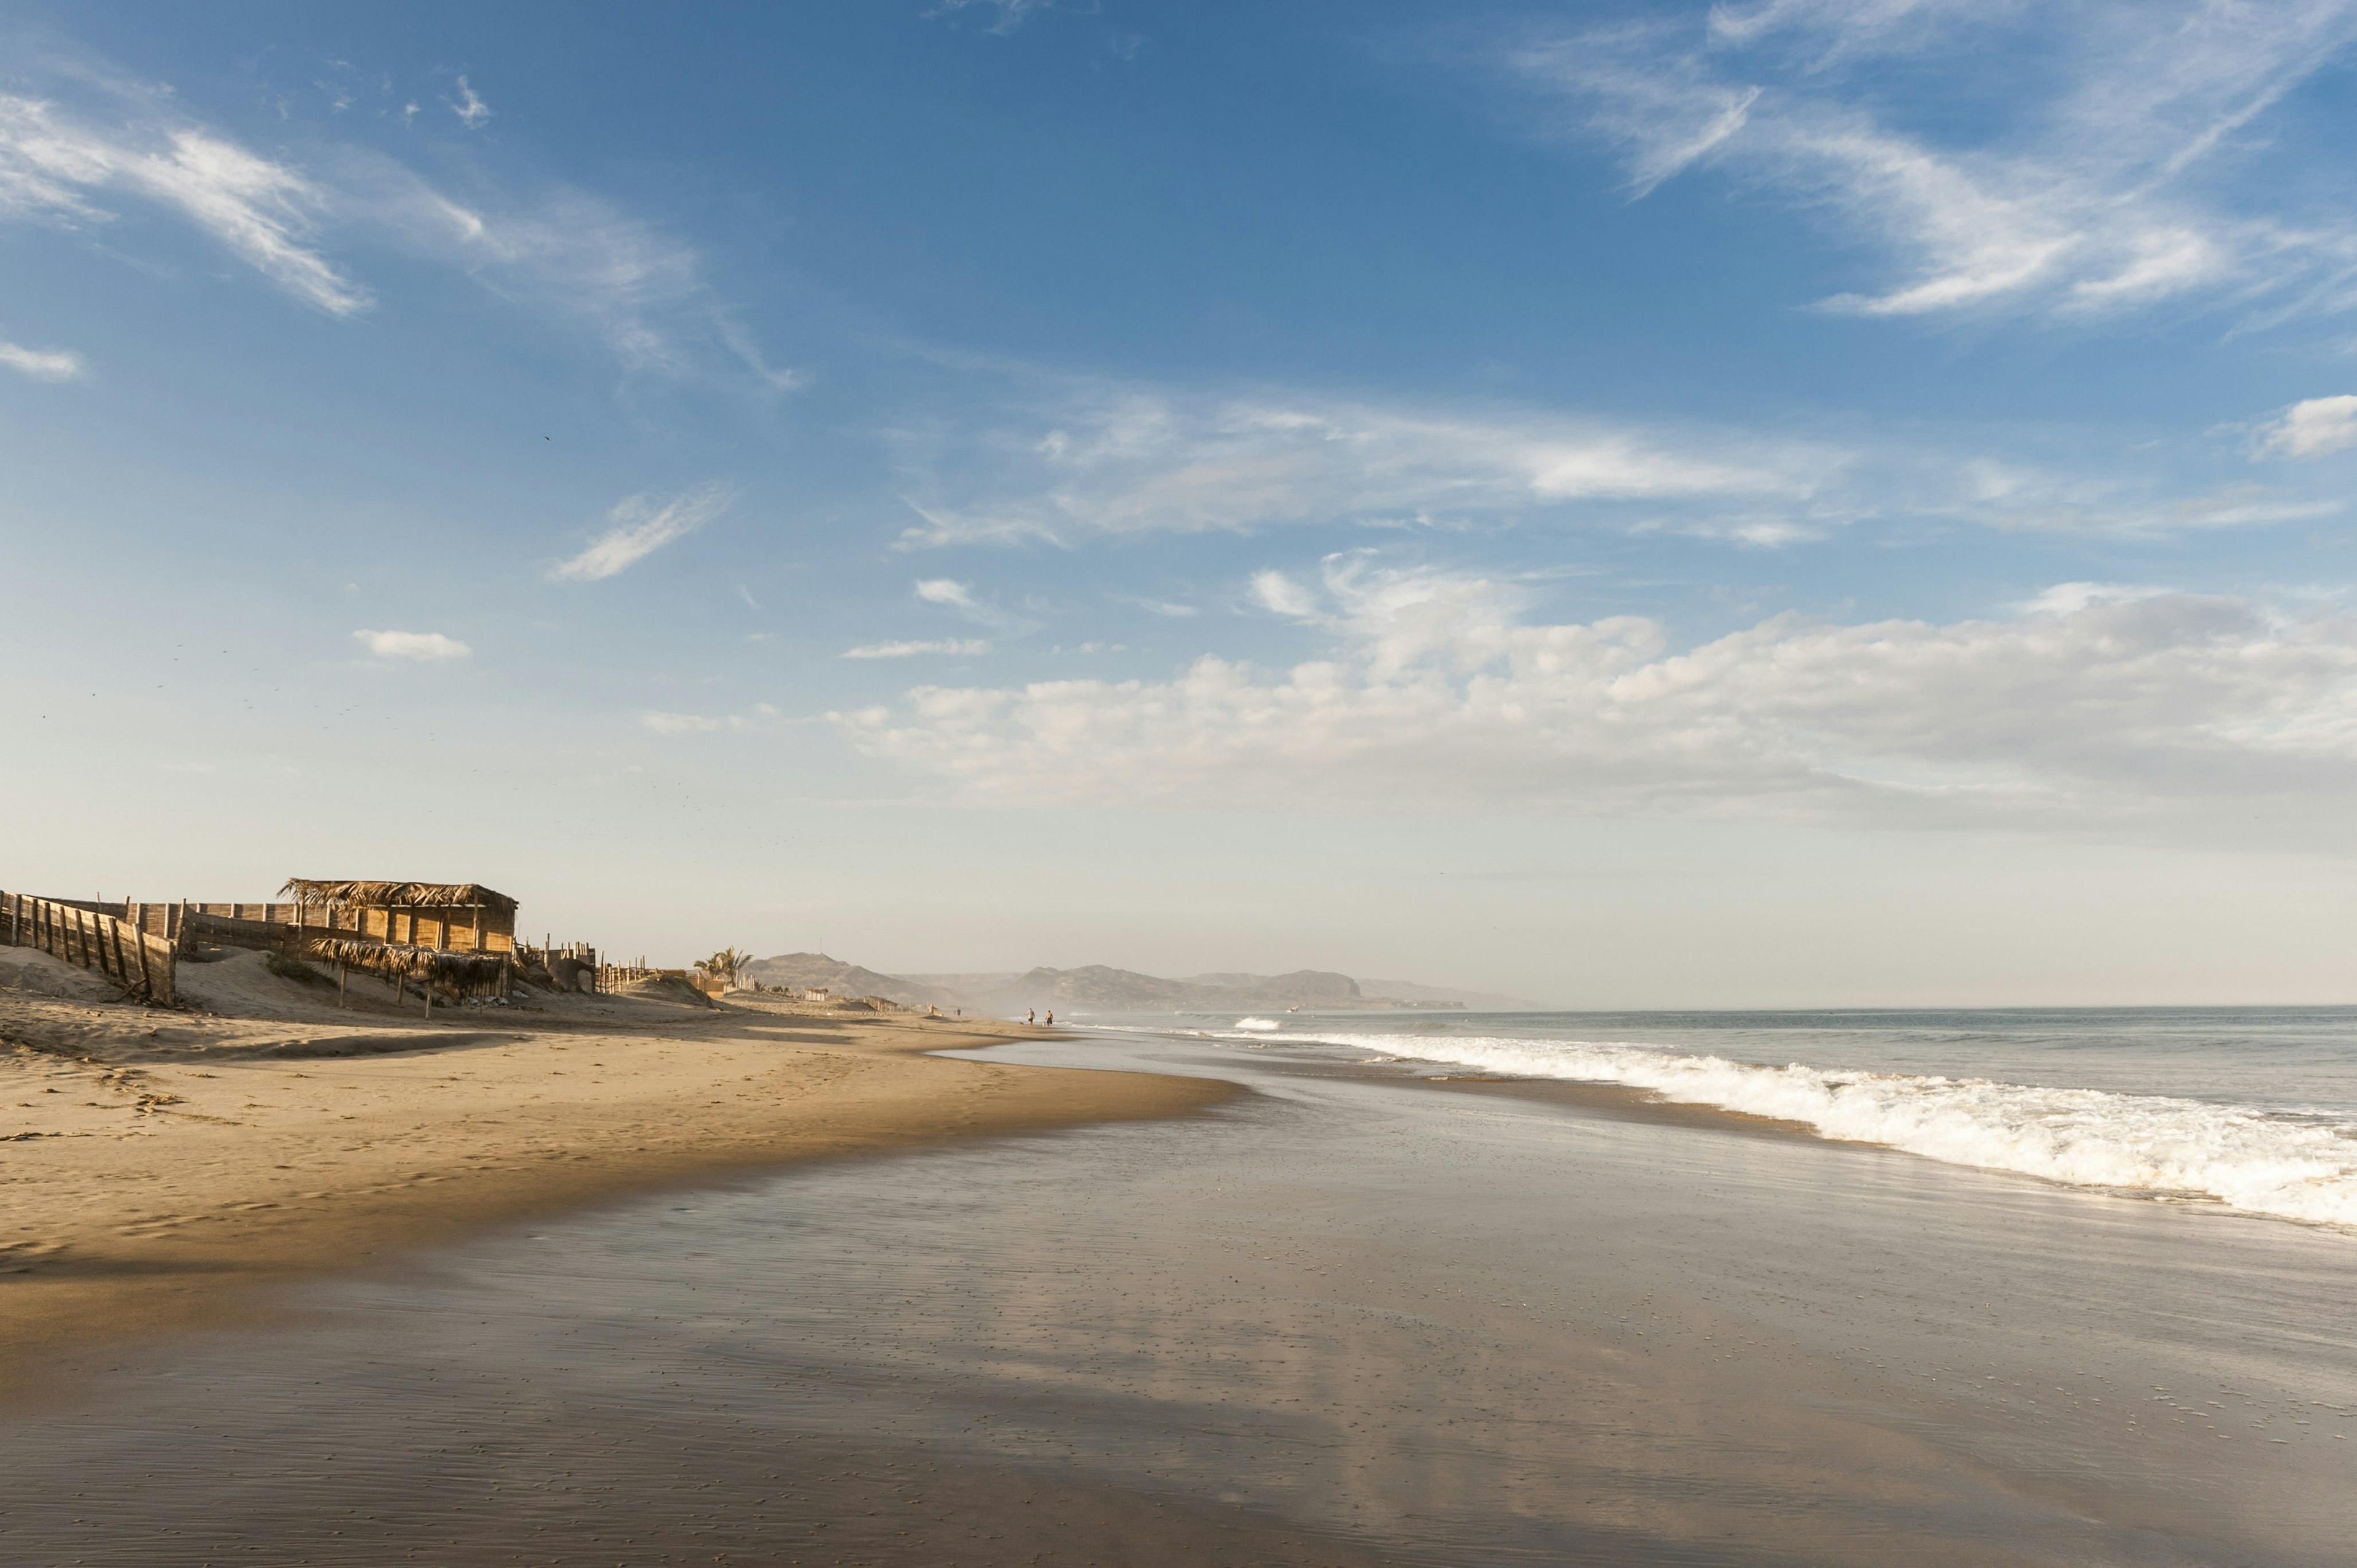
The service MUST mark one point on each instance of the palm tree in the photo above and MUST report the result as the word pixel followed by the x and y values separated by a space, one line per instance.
pixel 723 965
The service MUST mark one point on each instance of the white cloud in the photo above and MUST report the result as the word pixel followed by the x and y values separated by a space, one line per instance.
pixel 1098 460
pixel 1006 15
pixel 1440 694
pixel 700 723
pixel 562 253
pixel 642 527
pixel 470 107
pixel 946 591
pixel 951 593
pixel 424 646
pixel 1280 594
pixel 265 212
pixel 966 647
pixel 1117 460
pixel 42 364
pixel 565 254
pixel 2069 598
pixel 687 724
pixel 2314 428
pixel 2119 173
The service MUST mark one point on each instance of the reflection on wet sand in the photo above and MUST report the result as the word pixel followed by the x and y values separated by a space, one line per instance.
pixel 1347 1321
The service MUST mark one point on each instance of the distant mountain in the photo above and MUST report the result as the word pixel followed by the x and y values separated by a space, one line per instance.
pixel 820 972
pixel 1430 995
pixel 1097 988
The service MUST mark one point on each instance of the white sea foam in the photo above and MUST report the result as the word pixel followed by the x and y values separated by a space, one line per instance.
pixel 1258 1024
pixel 2296 1166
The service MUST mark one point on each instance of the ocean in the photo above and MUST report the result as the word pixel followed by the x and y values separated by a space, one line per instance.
pixel 1438 1291
pixel 2253 1108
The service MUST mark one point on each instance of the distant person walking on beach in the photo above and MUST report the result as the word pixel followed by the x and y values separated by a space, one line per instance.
pixel 1051 1018
pixel 1030 1015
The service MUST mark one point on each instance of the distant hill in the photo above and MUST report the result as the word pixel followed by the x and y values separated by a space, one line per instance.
pixel 1475 1001
pixel 1098 988
pixel 818 971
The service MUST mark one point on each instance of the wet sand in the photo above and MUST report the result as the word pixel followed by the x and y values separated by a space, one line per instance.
pixel 162 1168
pixel 1345 1319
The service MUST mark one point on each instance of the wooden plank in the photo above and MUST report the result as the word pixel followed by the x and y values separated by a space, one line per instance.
pixel 163 971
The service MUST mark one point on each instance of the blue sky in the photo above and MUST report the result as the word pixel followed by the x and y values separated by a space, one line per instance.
pixel 1817 500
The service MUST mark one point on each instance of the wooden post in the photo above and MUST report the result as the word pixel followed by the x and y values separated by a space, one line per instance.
pixel 147 980
pixel 339 984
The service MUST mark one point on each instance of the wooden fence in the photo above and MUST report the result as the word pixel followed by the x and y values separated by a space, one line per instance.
pixel 139 962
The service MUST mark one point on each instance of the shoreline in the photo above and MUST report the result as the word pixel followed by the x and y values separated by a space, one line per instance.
pixel 164 1170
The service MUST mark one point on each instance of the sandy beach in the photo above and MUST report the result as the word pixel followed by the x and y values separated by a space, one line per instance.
pixel 163 1164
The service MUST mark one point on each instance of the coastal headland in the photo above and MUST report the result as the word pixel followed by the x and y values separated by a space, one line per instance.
pixel 164 1165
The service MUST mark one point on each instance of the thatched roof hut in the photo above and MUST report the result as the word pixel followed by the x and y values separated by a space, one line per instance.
pixel 397 894
pixel 463 970
pixel 421 913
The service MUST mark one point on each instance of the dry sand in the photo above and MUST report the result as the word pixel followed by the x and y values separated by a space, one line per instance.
pixel 161 1165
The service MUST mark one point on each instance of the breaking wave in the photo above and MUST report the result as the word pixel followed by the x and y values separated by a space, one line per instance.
pixel 2283 1163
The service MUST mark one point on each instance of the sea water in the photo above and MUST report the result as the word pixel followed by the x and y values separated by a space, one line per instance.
pixel 1431 1323
pixel 2253 1108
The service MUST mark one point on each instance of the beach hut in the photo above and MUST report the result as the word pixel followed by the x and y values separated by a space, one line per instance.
pixel 451 917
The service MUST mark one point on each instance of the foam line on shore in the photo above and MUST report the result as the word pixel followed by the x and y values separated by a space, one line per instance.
pixel 2280 1163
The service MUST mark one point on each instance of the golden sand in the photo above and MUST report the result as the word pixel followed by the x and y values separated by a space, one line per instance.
pixel 158 1167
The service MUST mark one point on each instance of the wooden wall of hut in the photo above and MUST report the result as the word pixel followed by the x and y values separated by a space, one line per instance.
pixel 459 929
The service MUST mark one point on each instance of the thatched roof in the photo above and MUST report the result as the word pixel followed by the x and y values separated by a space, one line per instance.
pixel 396 895
pixel 396 958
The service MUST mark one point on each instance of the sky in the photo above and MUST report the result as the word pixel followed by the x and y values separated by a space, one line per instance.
pixel 1802 502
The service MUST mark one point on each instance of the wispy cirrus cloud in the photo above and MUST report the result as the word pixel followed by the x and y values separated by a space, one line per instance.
pixel 73 158
pixel 642 525
pixel 2129 170
pixel 43 364
pixel 1104 460
pixel 2088 706
pixel 1111 460
pixel 55 166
